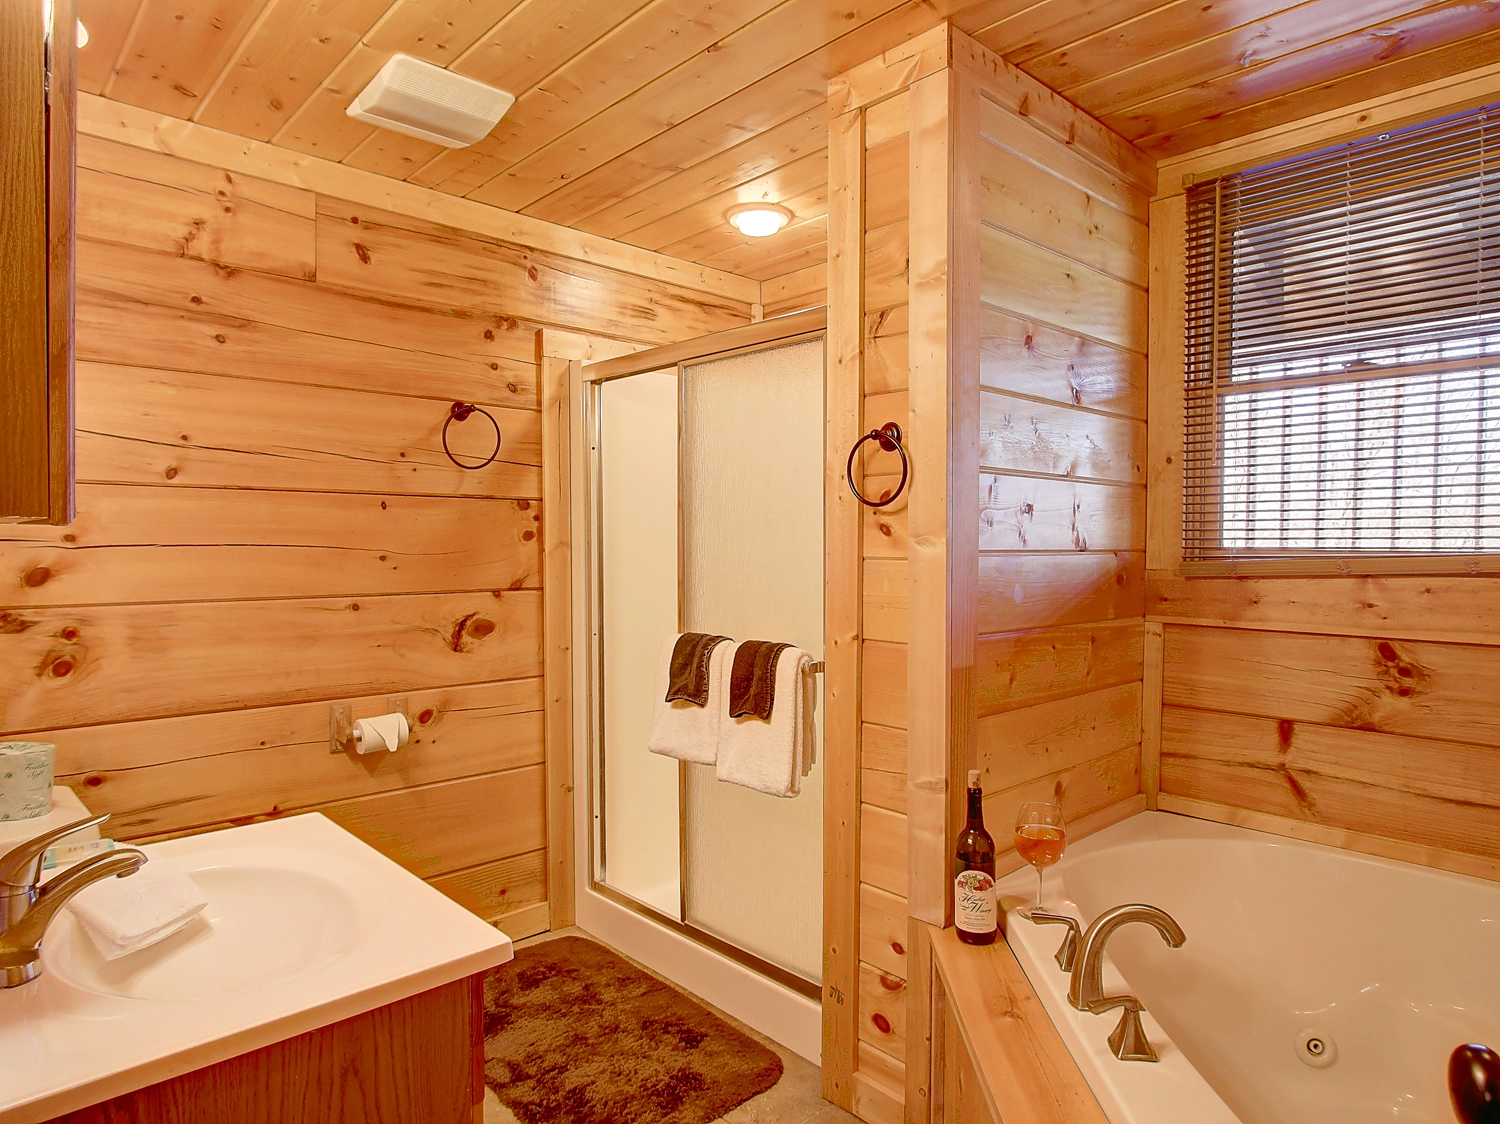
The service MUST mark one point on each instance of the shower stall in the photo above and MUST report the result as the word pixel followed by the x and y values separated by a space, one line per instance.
pixel 697 499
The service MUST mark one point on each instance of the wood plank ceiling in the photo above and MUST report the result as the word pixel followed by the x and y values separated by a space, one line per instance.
pixel 645 120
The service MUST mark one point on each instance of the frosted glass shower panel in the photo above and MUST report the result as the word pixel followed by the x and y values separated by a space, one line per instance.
pixel 636 830
pixel 752 547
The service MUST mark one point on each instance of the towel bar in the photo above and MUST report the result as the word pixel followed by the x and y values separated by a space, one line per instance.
pixel 815 668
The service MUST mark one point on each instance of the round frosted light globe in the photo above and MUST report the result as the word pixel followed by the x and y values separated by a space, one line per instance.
pixel 83 36
pixel 759 220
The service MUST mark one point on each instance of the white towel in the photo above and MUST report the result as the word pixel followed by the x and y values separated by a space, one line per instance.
pixel 678 728
pixel 772 756
pixel 125 915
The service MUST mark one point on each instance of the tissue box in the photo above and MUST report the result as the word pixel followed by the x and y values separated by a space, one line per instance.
pixel 26 779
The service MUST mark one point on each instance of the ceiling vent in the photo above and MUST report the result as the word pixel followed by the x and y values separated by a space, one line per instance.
pixel 425 101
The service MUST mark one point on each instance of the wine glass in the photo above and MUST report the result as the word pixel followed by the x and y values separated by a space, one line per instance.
pixel 1041 837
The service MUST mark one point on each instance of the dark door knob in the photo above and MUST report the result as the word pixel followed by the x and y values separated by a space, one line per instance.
pixel 1474 1084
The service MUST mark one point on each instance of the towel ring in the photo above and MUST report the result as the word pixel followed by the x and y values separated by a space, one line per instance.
pixel 458 412
pixel 889 438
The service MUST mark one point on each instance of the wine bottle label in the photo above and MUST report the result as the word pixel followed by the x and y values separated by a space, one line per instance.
pixel 974 902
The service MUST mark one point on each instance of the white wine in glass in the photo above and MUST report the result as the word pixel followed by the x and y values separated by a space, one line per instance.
pixel 1041 837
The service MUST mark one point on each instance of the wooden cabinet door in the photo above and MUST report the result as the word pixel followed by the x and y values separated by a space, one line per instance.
pixel 38 100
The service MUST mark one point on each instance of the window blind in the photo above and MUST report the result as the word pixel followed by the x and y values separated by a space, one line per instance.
pixel 1343 350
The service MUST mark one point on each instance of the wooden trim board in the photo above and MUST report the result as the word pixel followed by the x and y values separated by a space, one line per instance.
pixel 141 128
pixel 1151 702
pixel 842 574
pixel 557 636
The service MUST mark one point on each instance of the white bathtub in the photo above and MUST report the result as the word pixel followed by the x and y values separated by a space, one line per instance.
pixel 1395 964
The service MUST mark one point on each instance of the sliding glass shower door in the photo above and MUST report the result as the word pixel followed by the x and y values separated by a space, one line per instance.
pixel 707 482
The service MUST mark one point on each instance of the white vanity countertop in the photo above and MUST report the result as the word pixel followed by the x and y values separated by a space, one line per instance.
pixel 306 925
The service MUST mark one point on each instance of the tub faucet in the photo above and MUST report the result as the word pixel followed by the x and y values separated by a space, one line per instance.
pixel 26 908
pixel 1088 975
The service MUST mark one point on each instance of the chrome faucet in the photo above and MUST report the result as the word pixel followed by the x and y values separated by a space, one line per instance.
pixel 27 907
pixel 1088 976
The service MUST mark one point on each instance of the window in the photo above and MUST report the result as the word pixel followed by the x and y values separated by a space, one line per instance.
pixel 1343 351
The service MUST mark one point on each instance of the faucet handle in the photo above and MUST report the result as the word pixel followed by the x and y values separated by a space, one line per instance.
pixel 1067 952
pixel 1128 1041
pixel 21 868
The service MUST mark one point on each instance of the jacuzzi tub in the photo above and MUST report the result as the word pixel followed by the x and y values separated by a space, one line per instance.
pixel 1390 964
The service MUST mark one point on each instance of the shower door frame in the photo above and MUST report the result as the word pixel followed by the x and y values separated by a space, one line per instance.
pixel 585 381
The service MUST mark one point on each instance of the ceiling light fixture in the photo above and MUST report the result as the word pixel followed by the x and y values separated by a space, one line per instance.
pixel 759 220
pixel 83 36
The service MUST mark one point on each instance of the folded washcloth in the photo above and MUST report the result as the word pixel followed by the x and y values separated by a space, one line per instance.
pixel 688 680
pixel 125 915
pixel 752 678
pixel 681 727
pixel 772 754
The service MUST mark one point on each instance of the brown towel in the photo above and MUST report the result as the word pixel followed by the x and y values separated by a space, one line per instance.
pixel 690 655
pixel 752 680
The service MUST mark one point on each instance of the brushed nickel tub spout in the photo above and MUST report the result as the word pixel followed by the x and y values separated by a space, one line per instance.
pixel 1088 976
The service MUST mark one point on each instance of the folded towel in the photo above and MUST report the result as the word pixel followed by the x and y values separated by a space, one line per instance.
pixel 773 754
pixel 752 681
pixel 689 673
pixel 125 915
pixel 679 727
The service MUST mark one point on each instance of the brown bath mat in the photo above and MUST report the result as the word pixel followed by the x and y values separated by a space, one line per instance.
pixel 574 1034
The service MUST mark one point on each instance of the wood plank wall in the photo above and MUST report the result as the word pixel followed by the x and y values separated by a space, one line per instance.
pixel 267 522
pixel 1003 324
pixel 1357 711
pixel 792 292
pixel 1062 448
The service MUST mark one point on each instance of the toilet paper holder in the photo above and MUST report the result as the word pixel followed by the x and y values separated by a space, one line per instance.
pixel 341 723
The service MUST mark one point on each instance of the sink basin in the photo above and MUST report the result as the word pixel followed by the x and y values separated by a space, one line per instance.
pixel 264 925
pixel 305 925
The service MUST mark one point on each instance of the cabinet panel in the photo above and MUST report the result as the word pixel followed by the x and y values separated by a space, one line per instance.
pixel 36 244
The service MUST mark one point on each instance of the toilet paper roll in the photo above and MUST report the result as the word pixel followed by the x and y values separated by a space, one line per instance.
pixel 26 779
pixel 389 731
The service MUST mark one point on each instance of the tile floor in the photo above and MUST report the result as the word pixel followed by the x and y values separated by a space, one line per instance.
pixel 795 1099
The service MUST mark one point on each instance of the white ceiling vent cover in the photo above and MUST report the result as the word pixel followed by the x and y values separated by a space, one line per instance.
pixel 426 101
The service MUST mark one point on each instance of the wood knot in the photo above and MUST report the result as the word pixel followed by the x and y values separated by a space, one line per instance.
pixel 362 252
pixel 36 576
pixel 891 983
pixel 481 628
pixel 426 716
pixel 528 535
pixel 13 624
pixel 882 1023
pixel 898 948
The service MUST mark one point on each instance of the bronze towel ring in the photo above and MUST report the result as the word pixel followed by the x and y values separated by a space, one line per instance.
pixel 458 412
pixel 889 438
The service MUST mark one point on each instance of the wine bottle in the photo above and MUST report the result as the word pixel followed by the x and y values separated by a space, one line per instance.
pixel 975 911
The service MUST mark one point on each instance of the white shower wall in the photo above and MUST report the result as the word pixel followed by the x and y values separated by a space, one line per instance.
pixel 636 828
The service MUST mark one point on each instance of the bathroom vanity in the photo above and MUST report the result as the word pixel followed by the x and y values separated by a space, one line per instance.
pixel 322 983
pixel 416 1061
